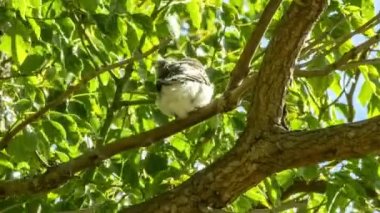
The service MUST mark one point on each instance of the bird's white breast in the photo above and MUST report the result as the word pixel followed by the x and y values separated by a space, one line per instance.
pixel 181 98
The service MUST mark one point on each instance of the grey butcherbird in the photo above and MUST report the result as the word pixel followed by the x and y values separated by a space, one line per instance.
pixel 183 86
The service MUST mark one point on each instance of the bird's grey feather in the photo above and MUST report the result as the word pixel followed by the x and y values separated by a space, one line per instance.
pixel 183 86
pixel 186 69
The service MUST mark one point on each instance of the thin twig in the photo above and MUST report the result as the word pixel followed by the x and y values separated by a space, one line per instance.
pixel 324 108
pixel 340 62
pixel 125 79
pixel 65 171
pixel 70 90
pixel 19 76
pixel 135 103
pixel 349 97
pixel 371 23
pixel 115 102
pixel 354 64
pixel 241 68
pixel 305 51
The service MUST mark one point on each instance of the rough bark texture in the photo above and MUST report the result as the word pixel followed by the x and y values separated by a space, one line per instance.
pixel 248 164
pixel 278 64
pixel 259 151
pixel 58 175
pixel 256 154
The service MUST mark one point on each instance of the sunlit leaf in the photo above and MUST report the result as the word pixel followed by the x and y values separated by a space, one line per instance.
pixel 194 10
pixel 89 5
pixel 365 93
pixel 32 63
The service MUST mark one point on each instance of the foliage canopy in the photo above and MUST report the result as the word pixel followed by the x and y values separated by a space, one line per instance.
pixel 76 76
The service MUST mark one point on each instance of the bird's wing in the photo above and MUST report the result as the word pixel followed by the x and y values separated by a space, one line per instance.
pixel 188 69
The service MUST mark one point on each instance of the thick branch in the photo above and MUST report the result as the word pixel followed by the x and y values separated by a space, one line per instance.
pixel 58 175
pixel 248 164
pixel 70 90
pixel 241 68
pixel 279 60
pixel 315 186
pixel 238 170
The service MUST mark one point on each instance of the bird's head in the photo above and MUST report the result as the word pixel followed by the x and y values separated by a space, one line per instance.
pixel 161 68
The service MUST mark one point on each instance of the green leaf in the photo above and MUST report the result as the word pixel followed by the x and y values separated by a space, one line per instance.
pixel 22 105
pixel 23 166
pixel 14 46
pixel 23 147
pixel 93 85
pixel 32 63
pixel 66 120
pixel 320 85
pixel 143 21
pixel 194 10
pixel 118 6
pixel 257 195
pixel 6 164
pixel 130 175
pixel 229 13
pixel 67 26
pixel 343 108
pixel 63 157
pixel 54 130
pixel 36 28
pixel 73 64
pixel 365 93
pixel 309 172
pixel 181 146
pixel 46 33
pixel 107 24
pixel 105 77
pixel 285 178
pixel 35 3
pixel 89 5
pixel 155 163
pixel 132 38
pixel 242 204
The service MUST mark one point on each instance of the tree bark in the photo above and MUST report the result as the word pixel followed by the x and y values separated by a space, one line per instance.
pixel 247 164
pixel 256 154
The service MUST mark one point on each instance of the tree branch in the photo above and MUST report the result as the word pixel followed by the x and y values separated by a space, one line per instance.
pixel 242 66
pixel 19 76
pixel 248 164
pixel 134 103
pixel 317 41
pixel 319 186
pixel 340 63
pixel 58 175
pixel 279 60
pixel 115 101
pixel 316 186
pixel 301 205
pixel 370 23
pixel 354 64
pixel 241 168
pixel 70 90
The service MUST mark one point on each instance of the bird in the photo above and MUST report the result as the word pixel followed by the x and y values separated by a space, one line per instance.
pixel 182 85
